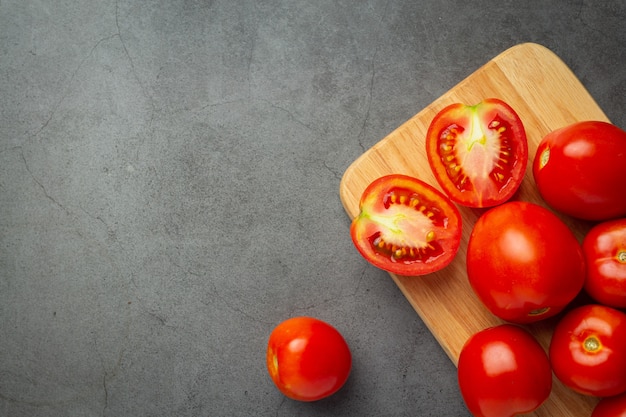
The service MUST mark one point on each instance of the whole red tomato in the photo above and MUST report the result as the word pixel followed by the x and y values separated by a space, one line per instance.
pixel 503 371
pixel 523 262
pixel 478 153
pixel 580 170
pixel 406 227
pixel 307 358
pixel 605 253
pixel 588 350
pixel 611 407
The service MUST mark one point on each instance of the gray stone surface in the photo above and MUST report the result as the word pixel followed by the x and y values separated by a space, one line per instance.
pixel 169 176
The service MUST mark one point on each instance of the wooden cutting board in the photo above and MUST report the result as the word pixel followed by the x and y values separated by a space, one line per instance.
pixel 546 95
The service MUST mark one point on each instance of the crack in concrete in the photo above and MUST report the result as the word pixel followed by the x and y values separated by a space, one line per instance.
pixel 106 394
pixel 289 113
pixel 65 94
pixel 215 292
pixel 280 405
pixel 132 63
pixel 42 187
pixel 336 173
pixel 372 80
pixel 581 17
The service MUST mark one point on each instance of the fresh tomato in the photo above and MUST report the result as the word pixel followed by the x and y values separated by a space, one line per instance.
pixel 503 371
pixel 478 153
pixel 605 253
pixel 406 226
pixel 523 262
pixel 580 170
pixel 587 350
pixel 611 407
pixel 308 359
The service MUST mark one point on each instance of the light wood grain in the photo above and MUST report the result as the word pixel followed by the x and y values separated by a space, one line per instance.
pixel 546 95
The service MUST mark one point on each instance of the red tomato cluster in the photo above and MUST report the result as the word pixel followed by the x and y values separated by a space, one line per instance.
pixel 523 262
pixel 525 265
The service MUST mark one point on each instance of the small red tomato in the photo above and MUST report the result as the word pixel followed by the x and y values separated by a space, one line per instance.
pixel 523 262
pixel 406 227
pixel 478 153
pixel 605 253
pixel 588 350
pixel 503 371
pixel 580 170
pixel 308 359
pixel 611 407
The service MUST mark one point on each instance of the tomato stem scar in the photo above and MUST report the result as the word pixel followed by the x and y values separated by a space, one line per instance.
pixel 592 344
pixel 539 311
pixel 621 256
pixel 544 158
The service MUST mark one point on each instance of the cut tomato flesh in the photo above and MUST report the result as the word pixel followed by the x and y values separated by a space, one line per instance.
pixel 406 227
pixel 478 153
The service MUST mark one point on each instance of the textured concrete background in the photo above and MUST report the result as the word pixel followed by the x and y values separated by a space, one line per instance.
pixel 169 176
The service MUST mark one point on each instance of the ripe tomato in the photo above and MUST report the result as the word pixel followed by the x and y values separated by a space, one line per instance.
pixel 587 350
pixel 580 170
pixel 611 407
pixel 605 253
pixel 523 262
pixel 503 371
pixel 308 359
pixel 406 226
pixel 478 153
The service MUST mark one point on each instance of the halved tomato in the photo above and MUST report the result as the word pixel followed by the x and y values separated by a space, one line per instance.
pixel 478 153
pixel 406 226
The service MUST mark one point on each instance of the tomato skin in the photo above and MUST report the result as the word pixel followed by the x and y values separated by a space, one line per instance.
pixel 604 247
pixel 580 170
pixel 587 350
pixel 611 407
pixel 406 227
pixel 503 371
pixel 307 358
pixel 478 153
pixel 523 262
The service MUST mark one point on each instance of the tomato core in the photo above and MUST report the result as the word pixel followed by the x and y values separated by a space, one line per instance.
pixel 457 151
pixel 592 344
pixel 398 245
pixel 478 153
pixel 406 226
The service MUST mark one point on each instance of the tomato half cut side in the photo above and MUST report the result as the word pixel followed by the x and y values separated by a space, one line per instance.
pixel 406 227
pixel 478 153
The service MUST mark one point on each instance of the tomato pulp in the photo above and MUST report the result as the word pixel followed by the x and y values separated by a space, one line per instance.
pixel 604 247
pixel 587 350
pixel 523 262
pixel 580 170
pixel 503 371
pixel 478 153
pixel 406 226
pixel 307 358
